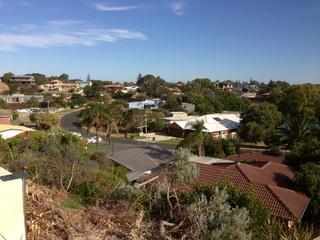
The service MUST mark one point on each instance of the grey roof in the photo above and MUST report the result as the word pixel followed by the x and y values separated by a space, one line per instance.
pixel 142 158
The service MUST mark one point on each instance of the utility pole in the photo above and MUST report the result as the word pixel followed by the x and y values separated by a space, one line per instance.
pixel 145 116
pixel 239 140
pixel 112 150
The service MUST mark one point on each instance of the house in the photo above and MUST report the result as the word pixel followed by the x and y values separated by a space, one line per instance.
pixel 59 86
pixel 23 79
pixel 254 157
pixel 226 86
pixel 217 125
pixel 271 182
pixel 81 83
pixel 250 95
pixel 188 107
pixel 9 131
pixel 12 205
pixel 147 104
pixel 20 98
pixel 5 116
pixel 113 87
pixel 129 89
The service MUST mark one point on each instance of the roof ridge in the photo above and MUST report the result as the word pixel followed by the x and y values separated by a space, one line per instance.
pixel 242 172
pixel 287 189
pixel 265 165
pixel 269 187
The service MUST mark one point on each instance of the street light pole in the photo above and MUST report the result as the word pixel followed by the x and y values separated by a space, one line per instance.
pixel 145 115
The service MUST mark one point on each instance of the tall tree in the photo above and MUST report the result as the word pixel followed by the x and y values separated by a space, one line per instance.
pixel 257 120
pixel 64 77
pixel 44 121
pixel 196 137
pixel 6 77
pixel 88 78
pixel 101 118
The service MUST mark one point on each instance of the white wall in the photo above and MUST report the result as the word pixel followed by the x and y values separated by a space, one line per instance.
pixel 12 223
pixel 10 134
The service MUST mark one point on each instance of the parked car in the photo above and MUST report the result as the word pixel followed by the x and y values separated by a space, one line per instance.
pixel 76 134
pixel 94 139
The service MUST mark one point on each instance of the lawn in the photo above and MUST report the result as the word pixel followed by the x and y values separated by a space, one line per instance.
pixel 175 141
pixel 103 144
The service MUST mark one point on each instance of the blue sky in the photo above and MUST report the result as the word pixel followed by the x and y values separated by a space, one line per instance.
pixel 178 40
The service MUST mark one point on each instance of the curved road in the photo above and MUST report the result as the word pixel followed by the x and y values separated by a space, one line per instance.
pixel 67 124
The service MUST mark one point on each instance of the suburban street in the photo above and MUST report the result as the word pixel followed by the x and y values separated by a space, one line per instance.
pixel 67 124
pixel 135 155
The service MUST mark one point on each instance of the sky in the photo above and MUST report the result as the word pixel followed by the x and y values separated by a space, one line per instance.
pixel 179 40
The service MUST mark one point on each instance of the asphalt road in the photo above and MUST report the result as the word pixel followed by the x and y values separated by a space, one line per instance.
pixel 137 156
pixel 67 124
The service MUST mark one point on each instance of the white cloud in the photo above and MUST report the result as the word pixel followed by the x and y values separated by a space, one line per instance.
pixel 63 23
pixel 24 3
pixel 177 7
pixel 70 33
pixel 111 8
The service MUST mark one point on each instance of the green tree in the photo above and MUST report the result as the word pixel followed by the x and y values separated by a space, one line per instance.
pixel 93 92
pixel 307 179
pixel 58 102
pixel 101 118
pixel 4 104
pixel 186 171
pixel 253 132
pixel 214 218
pixel 196 137
pixel 213 147
pixel 304 152
pixel 39 78
pixel 153 86
pixel 64 77
pixel 7 77
pixel 52 160
pixel 32 102
pixel 257 120
pixel 300 106
pixel 44 121
pixel 238 198
pixel 78 100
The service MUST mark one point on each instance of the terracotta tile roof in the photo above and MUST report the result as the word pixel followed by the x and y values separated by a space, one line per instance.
pixel 270 183
pixel 255 156
pixel 270 173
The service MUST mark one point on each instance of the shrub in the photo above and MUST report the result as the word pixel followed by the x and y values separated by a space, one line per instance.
pixel 98 182
pixel 307 180
pixel 214 218
pixel 237 198
pixel 278 229
pixel 186 171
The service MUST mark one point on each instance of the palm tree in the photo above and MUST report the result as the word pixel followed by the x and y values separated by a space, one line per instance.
pixel 295 130
pixel 93 117
pixel 100 117
pixel 196 137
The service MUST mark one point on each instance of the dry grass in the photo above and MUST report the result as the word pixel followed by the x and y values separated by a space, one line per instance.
pixel 47 219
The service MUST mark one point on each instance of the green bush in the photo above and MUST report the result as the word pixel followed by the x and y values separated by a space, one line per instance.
pixel 215 218
pixel 237 199
pixel 98 182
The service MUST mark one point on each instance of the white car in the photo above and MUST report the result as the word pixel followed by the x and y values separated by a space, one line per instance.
pixel 76 134
pixel 94 139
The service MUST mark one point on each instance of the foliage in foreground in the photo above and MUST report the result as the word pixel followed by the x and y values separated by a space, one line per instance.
pixel 216 219
pixel 277 229
pixel 60 160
